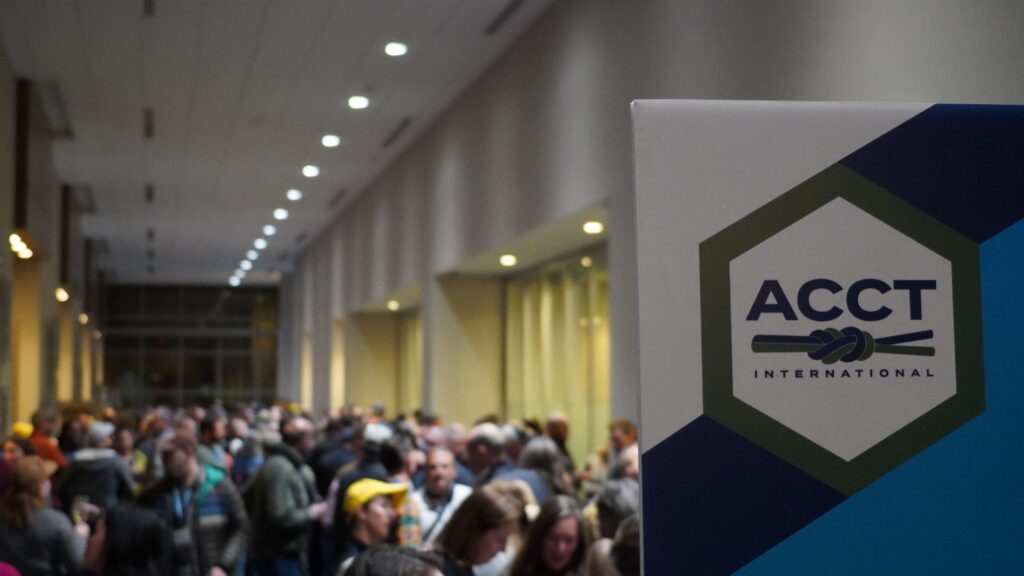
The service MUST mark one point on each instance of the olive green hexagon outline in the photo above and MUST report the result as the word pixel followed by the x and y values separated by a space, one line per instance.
pixel 721 404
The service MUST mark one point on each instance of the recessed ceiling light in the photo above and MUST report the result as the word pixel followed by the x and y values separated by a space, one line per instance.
pixel 393 305
pixel 61 294
pixel 15 239
pixel 83 318
pixel 269 230
pixel 310 171
pixel 396 49
pixel 593 227
pixel 260 244
pixel 508 260
pixel 234 281
pixel 26 253
pixel 280 214
pixel 358 102
pixel 252 254
pixel 330 141
pixel 245 265
pixel 586 262
pixel 293 195
pixel 240 273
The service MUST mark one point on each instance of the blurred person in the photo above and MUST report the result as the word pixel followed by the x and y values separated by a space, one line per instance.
pixel 332 453
pixel 629 463
pixel 16 447
pixel 156 426
pixel 6 473
pixel 371 507
pixel 238 433
pixel 284 504
pixel 397 456
pixel 618 499
pixel 44 425
pixel 394 561
pixel 202 509
pixel 96 472
pixel 487 460
pixel 438 436
pixel 135 460
pixel 543 456
pixel 478 531
pixel 212 432
pixel 520 493
pixel 557 541
pixel 366 443
pixel 626 547
pixel 557 428
pixel 457 441
pixel 128 541
pixel 72 437
pixel 440 496
pixel 515 441
pixel 35 539
pixel 622 436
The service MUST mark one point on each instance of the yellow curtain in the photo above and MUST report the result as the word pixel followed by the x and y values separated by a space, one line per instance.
pixel 558 354
pixel 410 362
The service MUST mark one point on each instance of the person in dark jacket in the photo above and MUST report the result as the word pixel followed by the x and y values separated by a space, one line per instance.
pixel 284 504
pixel 487 459
pixel 202 509
pixel 96 473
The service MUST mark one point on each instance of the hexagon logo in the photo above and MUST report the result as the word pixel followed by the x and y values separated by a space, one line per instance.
pixel 841 329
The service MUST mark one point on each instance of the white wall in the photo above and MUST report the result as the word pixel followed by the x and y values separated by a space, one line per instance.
pixel 546 131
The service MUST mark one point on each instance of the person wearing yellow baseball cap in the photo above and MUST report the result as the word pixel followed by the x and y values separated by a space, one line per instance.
pixel 371 507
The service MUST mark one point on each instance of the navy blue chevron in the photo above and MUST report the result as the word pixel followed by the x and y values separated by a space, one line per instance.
pixel 962 164
pixel 714 501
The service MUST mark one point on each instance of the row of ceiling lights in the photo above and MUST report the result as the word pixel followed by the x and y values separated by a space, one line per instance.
pixel 355 102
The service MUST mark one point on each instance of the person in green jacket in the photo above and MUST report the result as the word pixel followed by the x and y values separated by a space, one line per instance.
pixel 284 504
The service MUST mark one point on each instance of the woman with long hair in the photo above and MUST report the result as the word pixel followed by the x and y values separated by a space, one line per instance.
pixel 477 531
pixel 33 538
pixel 557 542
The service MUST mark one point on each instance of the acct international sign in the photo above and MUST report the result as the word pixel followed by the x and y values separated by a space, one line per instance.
pixel 841 329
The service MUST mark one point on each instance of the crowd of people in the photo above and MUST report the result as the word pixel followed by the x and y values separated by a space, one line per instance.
pixel 256 491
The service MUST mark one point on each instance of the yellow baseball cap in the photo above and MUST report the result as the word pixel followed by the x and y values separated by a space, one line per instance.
pixel 362 491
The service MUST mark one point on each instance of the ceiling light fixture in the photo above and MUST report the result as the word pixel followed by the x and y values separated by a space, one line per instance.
pixel 245 265
pixel 508 260
pixel 593 227
pixel 293 195
pixel 280 214
pixel 393 305
pixel 586 262
pixel 234 281
pixel 330 141
pixel 396 49
pixel 240 273
pixel 83 318
pixel 269 230
pixel 358 102
pixel 26 253
pixel 260 244
pixel 310 171
pixel 61 294
pixel 252 254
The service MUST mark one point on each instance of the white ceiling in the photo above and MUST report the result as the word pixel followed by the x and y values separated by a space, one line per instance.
pixel 241 92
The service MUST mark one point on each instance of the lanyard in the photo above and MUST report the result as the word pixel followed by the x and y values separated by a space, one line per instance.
pixel 181 501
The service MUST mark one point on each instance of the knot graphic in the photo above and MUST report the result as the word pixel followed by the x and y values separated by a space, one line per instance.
pixel 847 345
